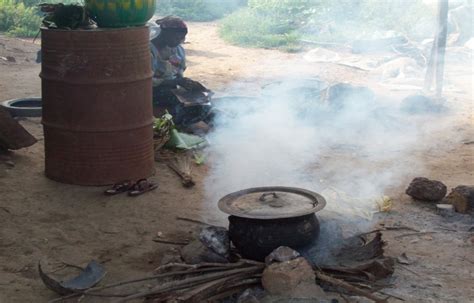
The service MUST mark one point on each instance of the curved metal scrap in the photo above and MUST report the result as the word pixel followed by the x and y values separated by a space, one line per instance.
pixel 89 277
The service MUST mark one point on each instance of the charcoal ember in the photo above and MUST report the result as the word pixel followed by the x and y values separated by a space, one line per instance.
pixel 197 252
pixel 282 254
pixel 426 190
pixel 293 279
pixel 216 239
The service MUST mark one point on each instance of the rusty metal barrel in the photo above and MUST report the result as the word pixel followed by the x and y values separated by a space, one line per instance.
pixel 97 110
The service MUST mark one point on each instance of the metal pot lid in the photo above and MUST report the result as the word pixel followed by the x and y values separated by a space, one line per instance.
pixel 274 202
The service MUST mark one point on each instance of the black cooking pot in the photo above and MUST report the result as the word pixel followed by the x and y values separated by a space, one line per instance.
pixel 256 238
pixel 265 218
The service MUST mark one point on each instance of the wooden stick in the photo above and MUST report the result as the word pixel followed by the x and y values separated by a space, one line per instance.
pixel 186 283
pixel 233 288
pixel 186 179
pixel 215 284
pixel 349 287
pixel 165 275
pixel 170 242
pixel 192 220
pixel 203 265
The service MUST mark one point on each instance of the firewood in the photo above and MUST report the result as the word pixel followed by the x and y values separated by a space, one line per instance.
pixel 348 287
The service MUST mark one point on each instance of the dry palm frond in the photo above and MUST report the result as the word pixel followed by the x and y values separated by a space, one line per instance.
pixel 181 165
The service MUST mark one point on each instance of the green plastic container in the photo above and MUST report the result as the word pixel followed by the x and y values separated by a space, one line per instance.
pixel 121 13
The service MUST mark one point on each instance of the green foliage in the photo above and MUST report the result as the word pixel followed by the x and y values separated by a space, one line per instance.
pixel 197 10
pixel 21 18
pixel 17 19
pixel 281 23
pixel 250 28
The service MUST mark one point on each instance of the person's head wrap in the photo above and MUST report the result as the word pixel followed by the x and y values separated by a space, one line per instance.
pixel 172 23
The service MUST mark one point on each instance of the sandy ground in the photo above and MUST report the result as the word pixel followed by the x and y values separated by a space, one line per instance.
pixel 41 219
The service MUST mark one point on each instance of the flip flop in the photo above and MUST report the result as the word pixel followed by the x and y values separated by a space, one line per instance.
pixel 142 186
pixel 119 188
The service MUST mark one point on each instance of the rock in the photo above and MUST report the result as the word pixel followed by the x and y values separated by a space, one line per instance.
pixel 458 201
pixel 10 163
pixel 216 239
pixel 461 198
pixel 282 254
pixel 426 190
pixel 196 252
pixel 466 191
pixel 294 279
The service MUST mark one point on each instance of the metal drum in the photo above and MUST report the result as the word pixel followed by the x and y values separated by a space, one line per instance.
pixel 97 109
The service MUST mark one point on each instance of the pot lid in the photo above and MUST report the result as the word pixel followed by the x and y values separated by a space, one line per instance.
pixel 274 202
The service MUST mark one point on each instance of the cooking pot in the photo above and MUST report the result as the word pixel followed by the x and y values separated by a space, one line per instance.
pixel 265 218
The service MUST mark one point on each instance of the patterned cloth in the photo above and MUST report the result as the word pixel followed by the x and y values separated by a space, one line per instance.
pixel 167 63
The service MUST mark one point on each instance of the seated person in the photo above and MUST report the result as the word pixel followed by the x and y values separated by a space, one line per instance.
pixel 172 91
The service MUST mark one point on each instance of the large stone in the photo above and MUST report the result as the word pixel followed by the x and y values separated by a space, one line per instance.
pixel 197 252
pixel 426 190
pixel 466 191
pixel 459 199
pixel 282 254
pixel 293 279
pixel 217 239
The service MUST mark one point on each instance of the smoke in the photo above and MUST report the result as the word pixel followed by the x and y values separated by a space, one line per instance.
pixel 345 143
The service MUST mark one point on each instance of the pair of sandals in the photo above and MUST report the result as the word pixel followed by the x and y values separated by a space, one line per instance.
pixel 133 188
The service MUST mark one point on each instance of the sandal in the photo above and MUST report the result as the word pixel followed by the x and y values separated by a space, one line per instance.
pixel 142 186
pixel 119 188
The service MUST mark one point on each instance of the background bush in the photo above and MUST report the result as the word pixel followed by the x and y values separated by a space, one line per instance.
pixel 283 23
pixel 197 10
pixel 21 18
pixel 17 19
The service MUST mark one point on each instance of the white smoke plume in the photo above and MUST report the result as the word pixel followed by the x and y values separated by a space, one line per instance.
pixel 351 152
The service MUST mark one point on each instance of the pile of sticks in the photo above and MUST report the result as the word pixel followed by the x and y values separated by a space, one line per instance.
pixel 205 282
pixel 183 283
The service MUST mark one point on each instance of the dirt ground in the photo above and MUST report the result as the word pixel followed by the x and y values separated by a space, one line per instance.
pixel 42 219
